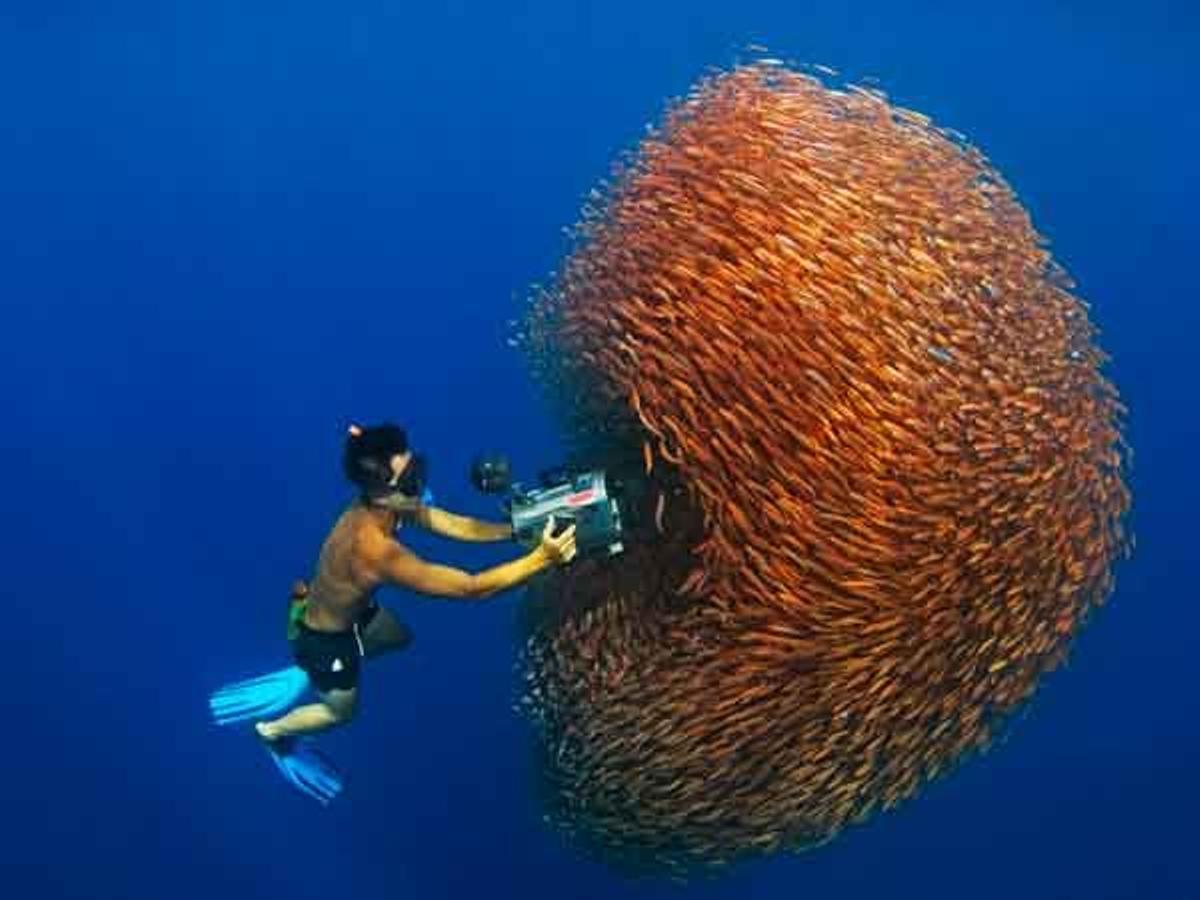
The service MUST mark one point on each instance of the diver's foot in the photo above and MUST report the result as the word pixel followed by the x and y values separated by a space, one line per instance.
pixel 269 732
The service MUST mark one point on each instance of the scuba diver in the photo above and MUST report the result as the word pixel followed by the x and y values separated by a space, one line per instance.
pixel 335 622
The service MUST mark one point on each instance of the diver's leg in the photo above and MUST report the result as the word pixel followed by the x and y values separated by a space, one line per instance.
pixel 385 634
pixel 336 708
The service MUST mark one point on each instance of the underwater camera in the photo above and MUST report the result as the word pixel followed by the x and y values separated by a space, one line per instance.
pixel 581 497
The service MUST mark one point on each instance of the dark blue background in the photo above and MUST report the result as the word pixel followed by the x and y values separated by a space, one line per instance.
pixel 227 229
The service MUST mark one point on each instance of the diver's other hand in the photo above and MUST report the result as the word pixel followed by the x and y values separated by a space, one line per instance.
pixel 559 550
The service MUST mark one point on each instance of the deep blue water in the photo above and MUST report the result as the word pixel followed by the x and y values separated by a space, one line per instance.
pixel 227 229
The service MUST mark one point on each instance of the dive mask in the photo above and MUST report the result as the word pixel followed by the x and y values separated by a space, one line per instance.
pixel 411 482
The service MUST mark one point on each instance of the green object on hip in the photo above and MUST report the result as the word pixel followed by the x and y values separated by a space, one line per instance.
pixel 296 610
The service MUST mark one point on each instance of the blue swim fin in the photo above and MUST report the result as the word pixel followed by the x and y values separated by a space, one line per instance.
pixel 257 698
pixel 308 770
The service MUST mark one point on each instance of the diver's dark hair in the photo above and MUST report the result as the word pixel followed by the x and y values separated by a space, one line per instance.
pixel 368 455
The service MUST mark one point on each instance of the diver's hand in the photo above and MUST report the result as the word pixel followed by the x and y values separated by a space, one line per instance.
pixel 559 550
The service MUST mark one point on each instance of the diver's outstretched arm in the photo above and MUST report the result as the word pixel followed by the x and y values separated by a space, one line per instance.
pixel 462 528
pixel 395 564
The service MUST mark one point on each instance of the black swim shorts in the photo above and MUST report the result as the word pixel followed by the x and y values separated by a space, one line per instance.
pixel 332 659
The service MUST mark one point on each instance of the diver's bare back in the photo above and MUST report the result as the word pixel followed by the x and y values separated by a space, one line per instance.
pixel 347 573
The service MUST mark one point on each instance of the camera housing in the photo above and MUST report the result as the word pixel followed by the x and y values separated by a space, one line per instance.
pixel 579 498
pixel 582 500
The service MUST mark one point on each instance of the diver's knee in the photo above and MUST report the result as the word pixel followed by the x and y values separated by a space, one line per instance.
pixel 341 706
pixel 405 638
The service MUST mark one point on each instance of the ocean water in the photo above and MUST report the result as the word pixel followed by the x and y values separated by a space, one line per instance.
pixel 229 229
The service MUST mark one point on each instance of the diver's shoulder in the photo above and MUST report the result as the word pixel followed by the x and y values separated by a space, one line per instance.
pixel 355 519
pixel 369 538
